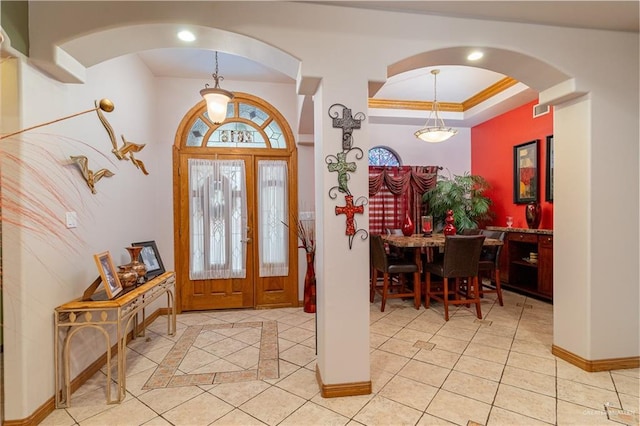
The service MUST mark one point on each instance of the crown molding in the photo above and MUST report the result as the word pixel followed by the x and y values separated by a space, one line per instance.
pixel 467 104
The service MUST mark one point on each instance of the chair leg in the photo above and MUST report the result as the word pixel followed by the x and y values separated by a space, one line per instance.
pixel 499 287
pixel 385 289
pixel 417 298
pixel 372 287
pixel 445 298
pixel 477 296
pixel 427 292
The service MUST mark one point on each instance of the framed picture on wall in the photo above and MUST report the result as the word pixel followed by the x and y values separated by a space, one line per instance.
pixel 525 172
pixel 549 170
pixel 108 274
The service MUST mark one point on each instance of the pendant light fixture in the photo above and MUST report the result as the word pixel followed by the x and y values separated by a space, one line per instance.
pixel 434 129
pixel 216 98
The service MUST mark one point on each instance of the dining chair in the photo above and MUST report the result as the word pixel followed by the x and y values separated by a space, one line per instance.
pixel 391 267
pixel 461 261
pixel 490 262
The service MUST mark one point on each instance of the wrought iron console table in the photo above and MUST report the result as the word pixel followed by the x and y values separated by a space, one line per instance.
pixel 103 315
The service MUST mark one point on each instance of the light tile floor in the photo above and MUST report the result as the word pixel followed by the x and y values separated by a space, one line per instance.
pixel 424 371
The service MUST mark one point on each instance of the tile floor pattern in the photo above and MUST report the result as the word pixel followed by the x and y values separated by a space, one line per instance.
pixel 424 371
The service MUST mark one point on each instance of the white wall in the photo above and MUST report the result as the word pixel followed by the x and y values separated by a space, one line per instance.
pixel 328 40
pixel 453 155
pixel 42 270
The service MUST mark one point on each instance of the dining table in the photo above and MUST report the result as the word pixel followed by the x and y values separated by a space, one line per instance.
pixel 419 241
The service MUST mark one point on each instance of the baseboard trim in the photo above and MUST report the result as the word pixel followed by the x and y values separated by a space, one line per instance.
pixel 50 405
pixel 342 389
pixel 596 365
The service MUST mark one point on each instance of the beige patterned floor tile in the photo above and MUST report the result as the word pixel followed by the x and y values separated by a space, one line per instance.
pixel 429 420
pixel 589 396
pixel 201 410
pixel 284 369
pixel 157 421
pixel 375 340
pixel 225 347
pixel 249 336
pixel 438 357
pixel 579 415
pixel 456 332
pixel 409 392
pixel 302 383
pixel 465 408
pixel 385 329
pixel 196 358
pixel 493 341
pixel 379 378
pixel 501 417
pixel 413 336
pixel 136 382
pixel 487 353
pixel 296 334
pixel 527 403
pixel 425 373
pixel 529 380
pixel 625 417
pixel 135 413
pixel 473 387
pixel 532 363
pixel 630 402
pixel 386 361
pixel 383 411
pixel 162 400
pixel 532 348
pixel 497 329
pixel 449 344
pixel 245 358
pixel 89 404
pixel 347 406
pixel 631 372
pixel 298 354
pixel 237 417
pixel 237 394
pixel 272 406
pixel 311 413
pixel 399 347
pixel 626 384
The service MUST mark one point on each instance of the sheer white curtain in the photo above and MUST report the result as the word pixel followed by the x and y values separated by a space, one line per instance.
pixel 273 205
pixel 218 219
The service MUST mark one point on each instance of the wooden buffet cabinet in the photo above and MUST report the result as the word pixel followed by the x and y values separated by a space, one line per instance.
pixel 517 272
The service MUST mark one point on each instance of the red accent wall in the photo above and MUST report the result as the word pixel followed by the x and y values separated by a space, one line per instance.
pixel 492 145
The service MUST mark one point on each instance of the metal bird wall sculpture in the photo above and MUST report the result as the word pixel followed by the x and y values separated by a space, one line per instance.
pixel 125 152
pixel 89 175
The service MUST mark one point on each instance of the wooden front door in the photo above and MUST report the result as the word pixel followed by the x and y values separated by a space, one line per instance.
pixel 218 243
pixel 254 135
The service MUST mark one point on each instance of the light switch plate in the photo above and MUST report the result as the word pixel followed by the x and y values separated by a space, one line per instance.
pixel 71 219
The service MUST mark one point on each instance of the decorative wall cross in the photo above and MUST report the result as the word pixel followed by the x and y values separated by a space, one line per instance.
pixel 347 123
pixel 342 167
pixel 350 210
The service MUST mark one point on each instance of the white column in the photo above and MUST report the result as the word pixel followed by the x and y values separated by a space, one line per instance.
pixel 342 273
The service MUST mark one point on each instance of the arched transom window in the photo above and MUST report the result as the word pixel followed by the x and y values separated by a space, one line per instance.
pixel 248 125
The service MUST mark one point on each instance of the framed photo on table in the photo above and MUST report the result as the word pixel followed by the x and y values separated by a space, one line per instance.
pixel 107 269
pixel 150 256
pixel 525 172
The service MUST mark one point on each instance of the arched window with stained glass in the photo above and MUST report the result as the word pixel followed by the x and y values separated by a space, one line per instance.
pixel 383 156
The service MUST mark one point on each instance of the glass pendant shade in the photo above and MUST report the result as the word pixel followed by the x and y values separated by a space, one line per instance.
pixel 216 98
pixel 217 101
pixel 434 130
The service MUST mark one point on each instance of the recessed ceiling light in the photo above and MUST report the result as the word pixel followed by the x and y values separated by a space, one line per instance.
pixel 186 35
pixel 474 56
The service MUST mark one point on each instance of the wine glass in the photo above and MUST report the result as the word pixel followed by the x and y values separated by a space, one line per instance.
pixel 509 221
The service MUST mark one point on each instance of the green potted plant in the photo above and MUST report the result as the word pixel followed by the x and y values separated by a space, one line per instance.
pixel 464 194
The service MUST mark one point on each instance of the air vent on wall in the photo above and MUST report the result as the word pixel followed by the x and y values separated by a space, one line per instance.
pixel 539 110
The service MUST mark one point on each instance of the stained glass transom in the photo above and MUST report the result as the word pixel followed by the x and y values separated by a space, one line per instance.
pixel 276 138
pixel 198 130
pixel 237 135
pixel 253 113
pixel 383 156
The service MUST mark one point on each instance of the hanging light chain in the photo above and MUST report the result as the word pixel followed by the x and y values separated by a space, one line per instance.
pixel 217 78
